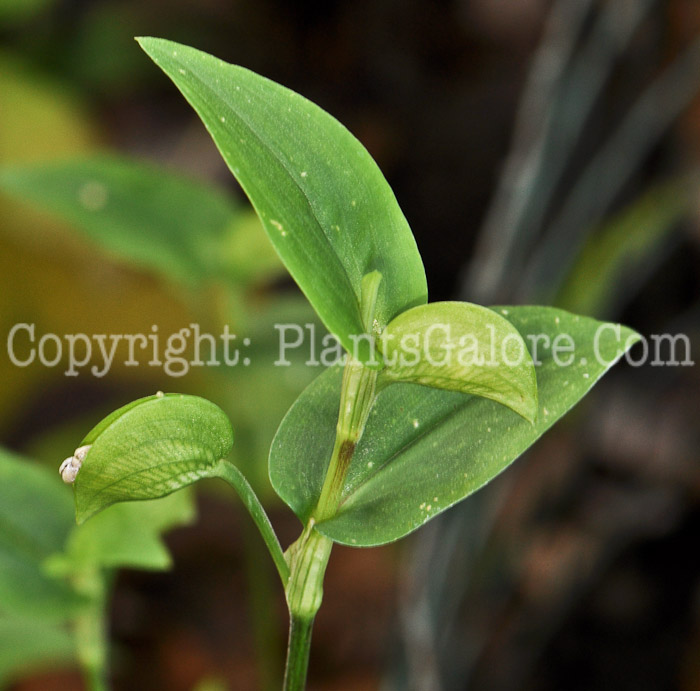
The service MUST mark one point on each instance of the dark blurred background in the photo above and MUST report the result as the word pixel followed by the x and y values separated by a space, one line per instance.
pixel 542 151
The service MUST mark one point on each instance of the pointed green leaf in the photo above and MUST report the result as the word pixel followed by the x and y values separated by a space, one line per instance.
pixel 425 449
pixel 459 346
pixel 323 201
pixel 157 220
pixel 150 448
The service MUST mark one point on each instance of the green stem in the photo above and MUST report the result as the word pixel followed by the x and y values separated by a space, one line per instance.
pixel 298 653
pixel 308 558
pixel 90 630
pixel 227 471
pixel 356 398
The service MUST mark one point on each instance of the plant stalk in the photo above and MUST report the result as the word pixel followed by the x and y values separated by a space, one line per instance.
pixel 308 558
pixel 227 471
pixel 356 399
pixel 298 653
pixel 90 630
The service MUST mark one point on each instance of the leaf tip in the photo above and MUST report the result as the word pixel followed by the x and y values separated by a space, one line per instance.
pixel 81 515
pixel 529 409
pixel 150 44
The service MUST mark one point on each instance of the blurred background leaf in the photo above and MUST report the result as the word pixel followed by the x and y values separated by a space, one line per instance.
pixel 139 214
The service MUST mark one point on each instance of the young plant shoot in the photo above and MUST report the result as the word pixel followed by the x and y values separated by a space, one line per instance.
pixel 432 401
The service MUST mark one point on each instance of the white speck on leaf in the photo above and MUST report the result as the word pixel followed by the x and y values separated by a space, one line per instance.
pixel 181 71
pixel 303 173
pixel 416 423
pixel 222 118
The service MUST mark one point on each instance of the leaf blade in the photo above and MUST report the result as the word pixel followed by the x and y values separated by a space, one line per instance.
pixel 325 205
pixel 424 449
pixel 462 347
pixel 149 449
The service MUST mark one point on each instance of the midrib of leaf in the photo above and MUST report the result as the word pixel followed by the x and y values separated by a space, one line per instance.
pixel 200 470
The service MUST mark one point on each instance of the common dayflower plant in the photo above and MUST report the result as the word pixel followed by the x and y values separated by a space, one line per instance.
pixel 430 402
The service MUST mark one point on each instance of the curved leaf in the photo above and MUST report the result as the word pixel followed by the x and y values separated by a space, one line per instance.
pixel 425 449
pixel 150 448
pixel 459 346
pixel 323 201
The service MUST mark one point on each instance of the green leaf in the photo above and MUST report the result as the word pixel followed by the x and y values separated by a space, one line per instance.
pixel 29 645
pixel 146 450
pixel 150 448
pixel 459 346
pixel 157 220
pixel 35 519
pixel 323 201
pixel 425 449
pixel 128 535
pixel 26 589
pixel 36 512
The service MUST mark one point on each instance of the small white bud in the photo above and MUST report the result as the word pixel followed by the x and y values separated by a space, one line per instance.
pixel 70 467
